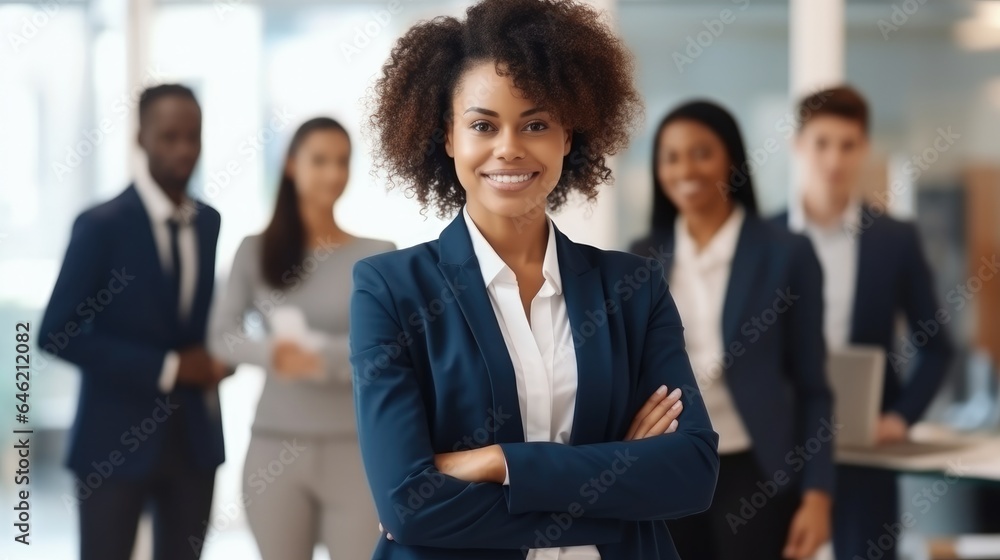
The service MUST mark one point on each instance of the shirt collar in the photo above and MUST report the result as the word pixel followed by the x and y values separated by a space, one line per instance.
pixel 720 249
pixel 798 221
pixel 495 269
pixel 158 205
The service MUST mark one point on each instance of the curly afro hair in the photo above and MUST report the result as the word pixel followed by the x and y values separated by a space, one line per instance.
pixel 557 52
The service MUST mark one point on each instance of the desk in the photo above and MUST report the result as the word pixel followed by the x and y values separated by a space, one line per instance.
pixel 980 460
pixel 980 547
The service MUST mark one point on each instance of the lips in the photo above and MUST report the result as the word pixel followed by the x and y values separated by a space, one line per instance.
pixel 510 180
pixel 687 188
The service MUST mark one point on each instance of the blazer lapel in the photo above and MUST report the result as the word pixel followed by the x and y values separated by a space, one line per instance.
pixel 150 257
pixel 583 291
pixel 206 267
pixel 744 276
pixel 460 268
pixel 585 302
pixel 867 261
pixel 744 270
pixel 659 246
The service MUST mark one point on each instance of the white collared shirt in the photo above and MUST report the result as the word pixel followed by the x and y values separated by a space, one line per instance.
pixel 698 283
pixel 837 249
pixel 542 353
pixel 160 209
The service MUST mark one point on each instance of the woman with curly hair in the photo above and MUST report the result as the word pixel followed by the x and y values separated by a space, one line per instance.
pixel 518 394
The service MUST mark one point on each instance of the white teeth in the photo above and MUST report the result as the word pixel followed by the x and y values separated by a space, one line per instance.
pixel 689 186
pixel 511 178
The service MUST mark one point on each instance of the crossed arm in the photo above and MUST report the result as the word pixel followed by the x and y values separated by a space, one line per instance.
pixel 421 505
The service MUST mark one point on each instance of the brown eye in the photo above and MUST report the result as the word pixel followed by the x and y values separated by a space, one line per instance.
pixel 481 126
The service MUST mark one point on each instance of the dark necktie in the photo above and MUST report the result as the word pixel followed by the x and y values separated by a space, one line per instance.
pixel 175 265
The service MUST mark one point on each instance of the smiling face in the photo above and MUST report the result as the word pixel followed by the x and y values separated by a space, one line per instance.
pixel 508 151
pixel 692 167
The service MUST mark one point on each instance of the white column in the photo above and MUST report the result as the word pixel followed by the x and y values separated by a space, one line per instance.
pixel 137 32
pixel 595 224
pixel 815 54
pixel 816 45
pixel 138 28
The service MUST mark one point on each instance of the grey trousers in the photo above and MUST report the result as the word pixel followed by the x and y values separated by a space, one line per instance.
pixel 301 491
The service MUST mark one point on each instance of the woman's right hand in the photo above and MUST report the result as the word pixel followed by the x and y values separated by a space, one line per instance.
pixel 657 416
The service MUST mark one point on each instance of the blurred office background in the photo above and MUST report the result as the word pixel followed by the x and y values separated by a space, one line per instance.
pixel 71 71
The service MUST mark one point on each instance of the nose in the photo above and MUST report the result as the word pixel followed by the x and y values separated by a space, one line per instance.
pixel 683 170
pixel 508 145
pixel 834 159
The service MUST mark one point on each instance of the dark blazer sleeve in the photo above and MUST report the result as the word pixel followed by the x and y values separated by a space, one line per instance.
pixel 920 305
pixel 85 271
pixel 661 477
pixel 805 360
pixel 415 502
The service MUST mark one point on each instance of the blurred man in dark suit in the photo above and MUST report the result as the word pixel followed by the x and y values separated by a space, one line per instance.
pixel 130 308
pixel 874 271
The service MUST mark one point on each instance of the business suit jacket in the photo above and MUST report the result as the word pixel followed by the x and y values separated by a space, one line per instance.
pixel 112 258
pixel 432 374
pixel 775 354
pixel 893 276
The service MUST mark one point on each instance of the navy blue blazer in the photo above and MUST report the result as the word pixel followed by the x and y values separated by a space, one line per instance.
pixel 893 277
pixel 775 354
pixel 108 315
pixel 432 374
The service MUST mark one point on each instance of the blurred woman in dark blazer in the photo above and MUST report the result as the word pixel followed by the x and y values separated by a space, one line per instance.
pixel 750 297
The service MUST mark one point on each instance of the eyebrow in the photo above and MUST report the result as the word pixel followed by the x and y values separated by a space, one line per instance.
pixel 495 114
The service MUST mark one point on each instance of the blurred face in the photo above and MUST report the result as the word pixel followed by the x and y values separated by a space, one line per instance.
pixel 693 167
pixel 171 137
pixel 320 167
pixel 508 151
pixel 833 151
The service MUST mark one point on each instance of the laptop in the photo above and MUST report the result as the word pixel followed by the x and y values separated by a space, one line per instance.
pixel 856 375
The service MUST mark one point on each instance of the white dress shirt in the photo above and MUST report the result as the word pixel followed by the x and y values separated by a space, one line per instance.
pixel 698 283
pixel 837 249
pixel 542 353
pixel 161 209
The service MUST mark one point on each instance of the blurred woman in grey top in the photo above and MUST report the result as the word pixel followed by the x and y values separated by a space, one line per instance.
pixel 285 308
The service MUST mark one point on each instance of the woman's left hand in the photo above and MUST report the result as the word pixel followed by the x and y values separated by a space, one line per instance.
pixel 485 464
pixel 292 361
pixel 810 526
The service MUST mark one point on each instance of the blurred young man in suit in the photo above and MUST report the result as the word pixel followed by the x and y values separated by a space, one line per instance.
pixel 147 430
pixel 874 269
